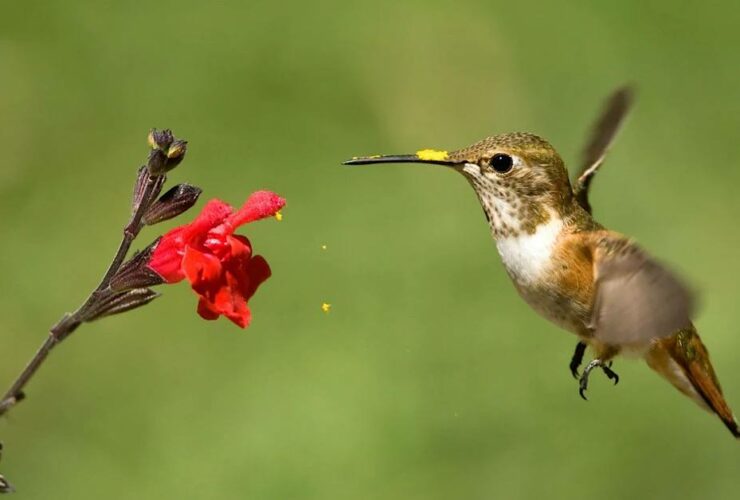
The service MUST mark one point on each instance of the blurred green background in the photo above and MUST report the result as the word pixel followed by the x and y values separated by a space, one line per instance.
pixel 429 378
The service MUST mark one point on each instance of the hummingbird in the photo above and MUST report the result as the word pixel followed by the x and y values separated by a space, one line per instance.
pixel 594 282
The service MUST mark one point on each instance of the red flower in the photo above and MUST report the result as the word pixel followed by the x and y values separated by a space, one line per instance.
pixel 219 264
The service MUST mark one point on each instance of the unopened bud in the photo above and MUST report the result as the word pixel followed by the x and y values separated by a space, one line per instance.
pixel 177 149
pixel 163 160
pixel 157 162
pixel 160 139
pixel 142 179
pixel 171 204
pixel 120 302
pixel 176 153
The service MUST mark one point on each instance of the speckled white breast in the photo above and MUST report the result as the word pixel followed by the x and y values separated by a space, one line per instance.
pixel 528 256
pixel 528 259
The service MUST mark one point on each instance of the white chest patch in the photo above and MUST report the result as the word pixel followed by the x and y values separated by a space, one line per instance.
pixel 527 256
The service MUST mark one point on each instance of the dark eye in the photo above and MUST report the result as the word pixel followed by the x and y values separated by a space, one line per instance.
pixel 501 163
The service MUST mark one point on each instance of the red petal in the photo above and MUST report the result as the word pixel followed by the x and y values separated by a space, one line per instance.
pixel 231 304
pixel 260 204
pixel 258 271
pixel 166 260
pixel 167 257
pixel 219 291
pixel 204 271
pixel 239 246
pixel 206 310
pixel 213 214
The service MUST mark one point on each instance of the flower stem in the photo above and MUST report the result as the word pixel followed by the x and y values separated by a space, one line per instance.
pixel 69 322
pixel 15 393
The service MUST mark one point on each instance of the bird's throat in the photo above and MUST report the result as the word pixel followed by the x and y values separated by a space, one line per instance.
pixel 509 215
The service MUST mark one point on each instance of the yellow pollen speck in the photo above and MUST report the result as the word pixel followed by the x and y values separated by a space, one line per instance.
pixel 432 155
pixel 325 307
pixel 278 216
pixel 324 247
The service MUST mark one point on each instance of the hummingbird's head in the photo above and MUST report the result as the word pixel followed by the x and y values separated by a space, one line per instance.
pixel 519 178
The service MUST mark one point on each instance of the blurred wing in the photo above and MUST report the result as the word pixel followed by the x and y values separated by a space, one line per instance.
pixel 637 299
pixel 602 134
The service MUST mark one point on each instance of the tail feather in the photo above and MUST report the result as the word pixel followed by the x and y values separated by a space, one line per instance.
pixel 684 361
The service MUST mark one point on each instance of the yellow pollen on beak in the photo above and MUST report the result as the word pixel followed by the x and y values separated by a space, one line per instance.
pixel 432 155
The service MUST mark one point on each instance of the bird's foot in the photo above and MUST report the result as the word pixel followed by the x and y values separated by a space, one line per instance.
pixel 610 374
pixel 583 381
pixel 577 358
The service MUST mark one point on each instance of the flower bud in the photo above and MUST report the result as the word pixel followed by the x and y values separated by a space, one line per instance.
pixel 160 139
pixel 162 160
pixel 157 162
pixel 176 153
pixel 171 204
pixel 120 302
pixel 142 179
pixel 177 149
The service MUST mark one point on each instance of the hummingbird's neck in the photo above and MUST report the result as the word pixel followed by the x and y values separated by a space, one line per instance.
pixel 510 215
pixel 526 232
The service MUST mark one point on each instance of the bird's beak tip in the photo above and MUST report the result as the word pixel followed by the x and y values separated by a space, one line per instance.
pixel 363 160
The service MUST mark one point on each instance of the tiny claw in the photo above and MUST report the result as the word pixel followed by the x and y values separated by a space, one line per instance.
pixel 577 359
pixel 583 382
pixel 611 374
pixel 583 385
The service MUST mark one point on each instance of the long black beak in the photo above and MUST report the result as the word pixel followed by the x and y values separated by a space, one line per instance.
pixel 427 156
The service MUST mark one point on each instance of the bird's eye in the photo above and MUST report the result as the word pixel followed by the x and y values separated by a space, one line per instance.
pixel 501 163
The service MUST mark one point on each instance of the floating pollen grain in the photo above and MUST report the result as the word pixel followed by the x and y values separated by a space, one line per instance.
pixel 326 307
pixel 278 216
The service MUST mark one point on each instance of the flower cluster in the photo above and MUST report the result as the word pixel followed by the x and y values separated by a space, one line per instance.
pixel 219 264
